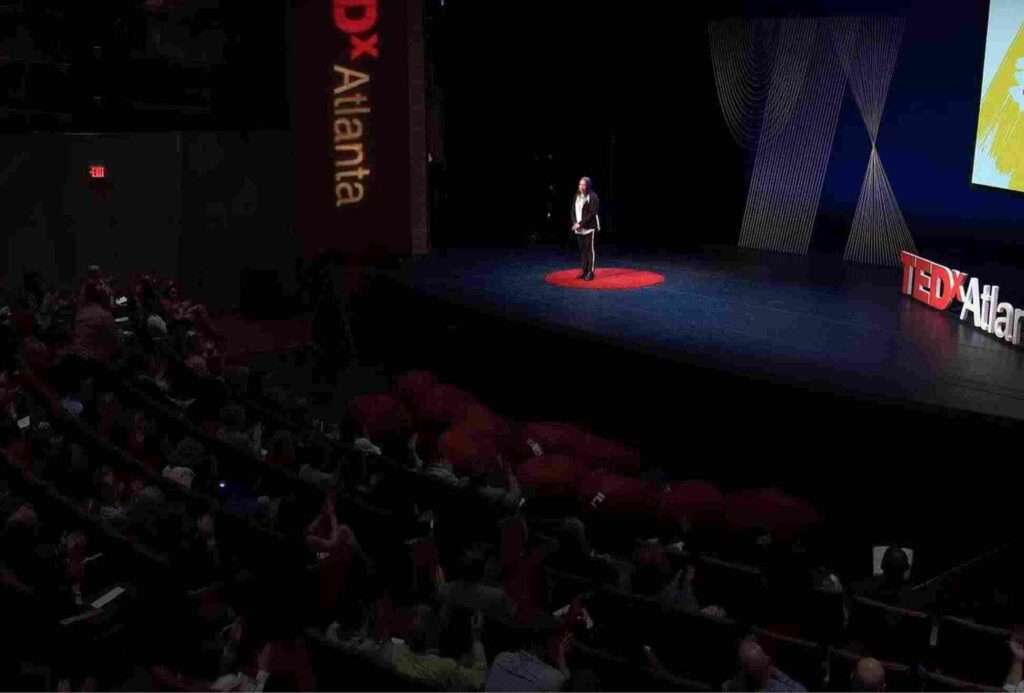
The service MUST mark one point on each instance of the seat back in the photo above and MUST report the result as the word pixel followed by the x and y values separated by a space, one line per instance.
pixel 889 632
pixel 842 662
pixel 972 651
pixel 802 660
pixel 739 589
pixel 934 681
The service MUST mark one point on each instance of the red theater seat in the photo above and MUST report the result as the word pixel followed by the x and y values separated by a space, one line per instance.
pixel 609 493
pixel 380 415
pixel 444 405
pixel 507 434
pixel 785 516
pixel 556 438
pixel 569 439
pixel 515 448
pixel 414 386
pixel 467 452
pixel 698 502
pixel 479 418
pixel 610 454
pixel 551 476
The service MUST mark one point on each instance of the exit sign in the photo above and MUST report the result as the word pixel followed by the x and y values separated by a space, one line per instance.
pixel 97 171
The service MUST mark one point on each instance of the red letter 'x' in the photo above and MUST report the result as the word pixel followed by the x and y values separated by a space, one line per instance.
pixel 367 46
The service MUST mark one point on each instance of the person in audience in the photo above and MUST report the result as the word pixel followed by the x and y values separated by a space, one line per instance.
pixel 892 586
pixel 108 493
pixel 96 336
pixel 75 550
pixel 339 555
pixel 190 453
pixel 282 449
pixel 1015 676
pixel 528 668
pixel 679 592
pixel 286 665
pixel 868 675
pixel 758 672
pixel 575 556
pixel 154 373
pixel 439 469
pixel 201 554
pixel 413 657
pixel 195 358
pixel 468 591
pixel 233 429
pixel 500 486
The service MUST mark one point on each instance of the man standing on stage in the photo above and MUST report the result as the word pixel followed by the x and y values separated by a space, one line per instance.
pixel 585 224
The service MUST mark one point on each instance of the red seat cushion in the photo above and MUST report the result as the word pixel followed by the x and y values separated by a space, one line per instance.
pixel 468 452
pixel 785 516
pixel 610 493
pixel 479 418
pixel 551 476
pixel 610 454
pixel 444 404
pixel 557 438
pixel 569 439
pixel 698 502
pixel 380 415
pixel 413 387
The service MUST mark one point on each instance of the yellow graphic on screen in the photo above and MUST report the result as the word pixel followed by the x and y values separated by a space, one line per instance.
pixel 1001 119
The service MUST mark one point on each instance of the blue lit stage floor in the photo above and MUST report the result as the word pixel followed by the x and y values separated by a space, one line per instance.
pixel 744 368
pixel 814 323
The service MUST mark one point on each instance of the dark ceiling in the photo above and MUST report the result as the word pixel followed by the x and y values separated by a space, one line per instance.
pixel 142 64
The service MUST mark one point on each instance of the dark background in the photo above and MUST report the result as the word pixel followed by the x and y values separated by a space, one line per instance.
pixel 188 103
pixel 625 94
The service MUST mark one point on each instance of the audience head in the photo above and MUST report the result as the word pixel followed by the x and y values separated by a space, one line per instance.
pixel 24 518
pixel 156 326
pixel 188 453
pixel 755 665
pixel 572 537
pixel 471 565
pixel 205 525
pixel 868 675
pixel 93 294
pixel 895 564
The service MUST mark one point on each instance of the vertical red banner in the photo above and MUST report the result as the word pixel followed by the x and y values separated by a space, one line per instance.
pixel 352 123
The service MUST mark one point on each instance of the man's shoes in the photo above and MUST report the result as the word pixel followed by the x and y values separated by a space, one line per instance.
pixel 589 277
pixel 583 275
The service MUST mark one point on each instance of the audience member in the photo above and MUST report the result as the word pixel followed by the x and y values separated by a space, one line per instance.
pixel 96 337
pixel 528 668
pixel 868 675
pixel 758 673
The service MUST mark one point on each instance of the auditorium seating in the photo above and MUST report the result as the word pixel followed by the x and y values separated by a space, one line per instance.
pixel 972 651
pixel 841 663
pixel 384 498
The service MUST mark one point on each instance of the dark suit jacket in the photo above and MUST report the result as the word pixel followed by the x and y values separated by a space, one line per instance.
pixel 587 220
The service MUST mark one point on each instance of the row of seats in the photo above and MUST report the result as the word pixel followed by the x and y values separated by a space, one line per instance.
pixel 731 581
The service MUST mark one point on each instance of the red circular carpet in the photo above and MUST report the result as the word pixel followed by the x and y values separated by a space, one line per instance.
pixel 606 278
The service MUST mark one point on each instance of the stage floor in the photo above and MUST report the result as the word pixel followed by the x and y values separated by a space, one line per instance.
pixel 808 322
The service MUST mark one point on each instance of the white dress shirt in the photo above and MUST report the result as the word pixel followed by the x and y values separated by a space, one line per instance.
pixel 580 201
